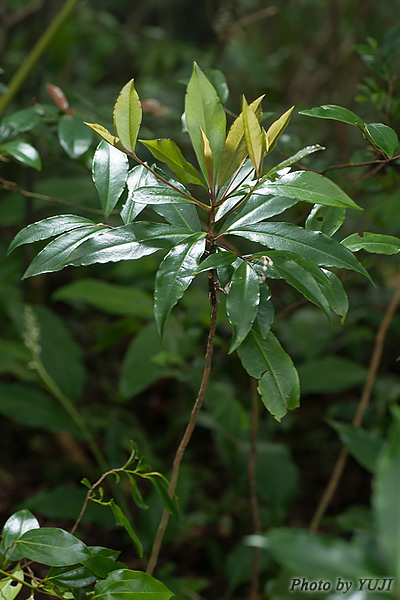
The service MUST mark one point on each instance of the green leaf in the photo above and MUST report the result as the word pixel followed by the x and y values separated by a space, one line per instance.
pixel 25 119
pixel 102 563
pixel 275 131
pixel 308 186
pixel 54 256
pixel 23 153
pixel 317 557
pixel 121 519
pixel 161 194
pixel 330 375
pixel 219 259
pixel 128 585
pixel 13 529
pixel 375 243
pixel 204 111
pixel 337 113
pixel 128 116
pixel 71 577
pixel 104 133
pixel 242 301
pixel 138 177
pixel 327 219
pixel 258 207
pixel 46 228
pixel 363 445
pixel 9 589
pixel 33 408
pixel 75 137
pixel 218 79
pixel 303 276
pixel 253 135
pixel 161 486
pixel 180 215
pixel 168 152
pixel 128 242
pixel 383 136
pixel 136 495
pixel 386 500
pixel 316 246
pixel 266 360
pixel 52 546
pixel 336 295
pixel 265 312
pixel 110 298
pixel 294 159
pixel 174 276
pixel 235 148
pixel 109 172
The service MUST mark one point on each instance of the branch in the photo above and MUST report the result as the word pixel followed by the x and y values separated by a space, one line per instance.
pixel 362 406
pixel 155 551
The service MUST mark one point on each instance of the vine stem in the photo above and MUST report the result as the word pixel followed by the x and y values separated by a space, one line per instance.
pixel 376 356
pixel 155 551
pixel 36 52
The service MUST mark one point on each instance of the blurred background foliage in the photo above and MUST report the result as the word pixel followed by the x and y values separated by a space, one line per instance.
pixel 99 343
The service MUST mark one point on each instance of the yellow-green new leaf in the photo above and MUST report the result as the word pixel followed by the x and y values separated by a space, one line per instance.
pixel 128 116
pixel 275 131
pixel 169 153
pixel 208 158
pixel 104 133
pixel 235 148
pixel 253 135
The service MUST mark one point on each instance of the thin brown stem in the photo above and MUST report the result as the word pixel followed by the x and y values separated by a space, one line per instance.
pixel 11 186
pixel 189 428
pixel 376 357
pixel 255 509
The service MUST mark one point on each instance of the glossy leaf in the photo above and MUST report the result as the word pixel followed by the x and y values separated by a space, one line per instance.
pixel 24 119
pixel 204 111
pixel 384 137
pixel 55 255
pixel 301 278
pixel 208 158
pixel 179 215
pixel 109 173
pixel 266 360
pixel 375 243
pixel 127 116
pixel 253 136
pixel 276 129
pixel 71 577
pixel 242 301
pixel 235 148
pixel 265 312
pixel 47 228
pixel 121 519
pixel 386 504
pixel 128 585
pixel 217 260
pixel 258 208
pixel 337 113
pixel 218 79
pixel 308 187
pixel 22 152
pixel 327 219
pixel 138 177
pixel 104 133
pixel 75 138
pixel 335 295
pixel 363 445
pixel 169 153
pixel 113 299
pixel 174 276
pixel 161 194
pixel 294 159
pixel 15 526
pixel 316 246
pixel 102 563
pixel 52 546
pixel 128 242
